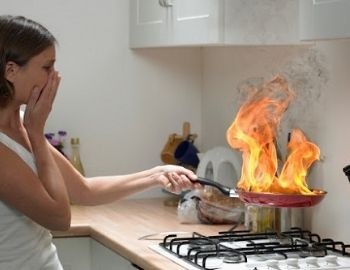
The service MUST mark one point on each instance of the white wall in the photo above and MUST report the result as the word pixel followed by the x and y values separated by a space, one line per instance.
pixel 320 77
pixel 122 104
pixel 332 217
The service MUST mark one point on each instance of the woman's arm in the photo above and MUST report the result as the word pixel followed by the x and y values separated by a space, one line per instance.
pixel 105 189
pixel 38 198
pixel 42 197
pixel 38 108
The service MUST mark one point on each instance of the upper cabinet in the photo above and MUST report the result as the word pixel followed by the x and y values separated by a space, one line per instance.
pixel 155 23
pixel 148 23
pixel 160 23
pixel 261 22
pixel 324 19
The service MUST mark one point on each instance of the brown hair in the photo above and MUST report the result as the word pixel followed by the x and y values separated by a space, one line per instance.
pixel 20 40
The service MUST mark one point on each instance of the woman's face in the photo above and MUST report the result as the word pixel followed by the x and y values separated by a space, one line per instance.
pixel 34 74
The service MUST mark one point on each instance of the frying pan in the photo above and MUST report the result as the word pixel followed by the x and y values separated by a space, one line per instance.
pixel 267 198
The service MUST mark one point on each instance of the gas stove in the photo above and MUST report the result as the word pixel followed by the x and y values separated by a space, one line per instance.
pixel 244 250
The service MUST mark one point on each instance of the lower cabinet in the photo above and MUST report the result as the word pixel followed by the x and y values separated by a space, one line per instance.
pixel 84 253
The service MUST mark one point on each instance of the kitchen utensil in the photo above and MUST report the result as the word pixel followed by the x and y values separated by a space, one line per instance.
pixel 168 151
pixel 231 192
pixel 268 199
pixel 186 154
pixel 346 170
pixel 167 154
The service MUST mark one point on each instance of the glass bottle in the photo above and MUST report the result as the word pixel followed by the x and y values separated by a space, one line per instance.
pixel 75 155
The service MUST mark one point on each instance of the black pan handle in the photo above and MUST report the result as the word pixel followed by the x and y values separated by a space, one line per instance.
pixel 207 182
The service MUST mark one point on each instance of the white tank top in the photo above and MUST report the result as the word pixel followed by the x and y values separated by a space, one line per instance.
pixel 24 244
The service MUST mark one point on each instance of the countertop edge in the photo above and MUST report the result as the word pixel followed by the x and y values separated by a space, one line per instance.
pixel 119 226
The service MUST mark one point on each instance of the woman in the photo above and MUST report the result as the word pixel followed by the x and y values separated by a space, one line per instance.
pixel 37 184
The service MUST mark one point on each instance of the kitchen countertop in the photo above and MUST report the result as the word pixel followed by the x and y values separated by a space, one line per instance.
pixel 119 226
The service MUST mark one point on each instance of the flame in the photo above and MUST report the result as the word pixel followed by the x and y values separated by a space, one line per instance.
pixel 302 154
pixel 253 132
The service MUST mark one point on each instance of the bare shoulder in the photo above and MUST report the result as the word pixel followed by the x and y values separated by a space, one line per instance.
pixel 20 186
pixel 12 164
pixel 16 176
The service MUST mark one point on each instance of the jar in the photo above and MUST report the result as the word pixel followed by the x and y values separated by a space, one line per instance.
pixel 260 219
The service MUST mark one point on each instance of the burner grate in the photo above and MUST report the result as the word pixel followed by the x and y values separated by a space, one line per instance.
pixel 233 247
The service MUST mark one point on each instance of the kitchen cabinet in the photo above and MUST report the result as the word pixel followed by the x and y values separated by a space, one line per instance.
pixel 162 23
pixel 324 19
pixel 84 253
pixel 105 259
pixel 74 253
pixel 155 23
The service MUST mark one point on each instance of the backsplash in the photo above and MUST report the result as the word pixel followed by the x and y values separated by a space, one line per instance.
pixel 308 76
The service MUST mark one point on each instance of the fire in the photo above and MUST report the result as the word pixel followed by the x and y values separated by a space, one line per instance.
pixel 253 132
pixel 302 154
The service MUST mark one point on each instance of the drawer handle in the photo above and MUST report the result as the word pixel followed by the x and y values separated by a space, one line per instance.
pixel 166 3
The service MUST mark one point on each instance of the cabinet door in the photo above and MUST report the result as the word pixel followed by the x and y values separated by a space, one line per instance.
pixel 156 23
pixel 84 253
pixel 105 259
pixel 74 253
pixel 324 19
pixel 148 23
pixel 261 22
pixel 197 22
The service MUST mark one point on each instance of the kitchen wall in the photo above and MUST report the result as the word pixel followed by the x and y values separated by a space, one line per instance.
pixel 122 104
pixel 319 75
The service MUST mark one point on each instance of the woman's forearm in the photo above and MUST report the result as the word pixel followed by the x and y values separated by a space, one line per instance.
pixel 110 188
pixel 105 189
pixel 51 178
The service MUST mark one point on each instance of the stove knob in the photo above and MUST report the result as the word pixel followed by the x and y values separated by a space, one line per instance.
pixel 292 263
pixel 311 262
pixel 272 264
pixel 331 260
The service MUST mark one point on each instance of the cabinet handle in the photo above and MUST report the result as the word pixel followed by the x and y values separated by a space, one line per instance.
pixel 166 3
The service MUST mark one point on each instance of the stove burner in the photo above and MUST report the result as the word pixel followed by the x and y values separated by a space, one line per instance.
pixel 233 259
pixel 311 252
pixel 311 249
pixel 265 257
pixel 202 244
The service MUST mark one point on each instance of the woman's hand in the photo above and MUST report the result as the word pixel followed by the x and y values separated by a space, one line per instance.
pixel 176 178
pixel 40 104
